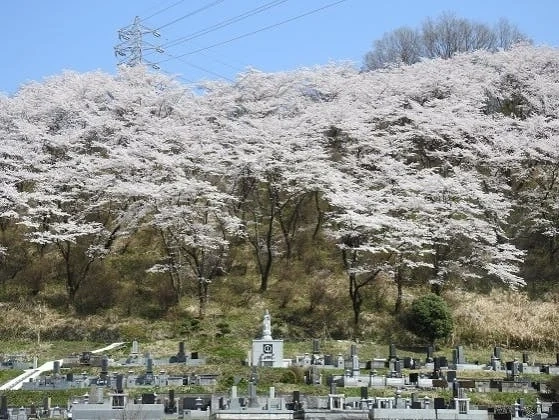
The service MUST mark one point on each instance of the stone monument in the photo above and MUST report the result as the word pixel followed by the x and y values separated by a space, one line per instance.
pixel 266 351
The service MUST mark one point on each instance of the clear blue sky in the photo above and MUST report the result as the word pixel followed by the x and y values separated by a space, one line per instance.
pixel 44 37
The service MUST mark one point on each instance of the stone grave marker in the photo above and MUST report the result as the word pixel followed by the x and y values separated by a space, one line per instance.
pixel 316 346
pixel 392 352
pixel 497 352
pixel 430 351
pixel 439 403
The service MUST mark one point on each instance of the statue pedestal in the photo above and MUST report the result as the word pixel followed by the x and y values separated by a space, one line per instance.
pixel 267 353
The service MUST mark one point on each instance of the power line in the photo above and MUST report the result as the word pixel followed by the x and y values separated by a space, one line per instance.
pixel 201 9
pixel 205 70
pixel 212 28
pixel 258 30
pixel 163 10
pixel 224 23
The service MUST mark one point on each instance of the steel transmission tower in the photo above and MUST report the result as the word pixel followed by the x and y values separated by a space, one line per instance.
pixel 132 48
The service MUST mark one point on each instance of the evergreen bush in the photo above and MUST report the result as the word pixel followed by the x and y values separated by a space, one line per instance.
pixel 430 318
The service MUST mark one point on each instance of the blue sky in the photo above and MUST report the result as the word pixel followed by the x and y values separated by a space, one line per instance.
pixel 44 37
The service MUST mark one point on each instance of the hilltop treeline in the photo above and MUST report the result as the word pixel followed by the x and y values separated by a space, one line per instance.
pixel 135 190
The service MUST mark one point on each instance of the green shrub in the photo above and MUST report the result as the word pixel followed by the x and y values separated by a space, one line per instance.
pixel 430 318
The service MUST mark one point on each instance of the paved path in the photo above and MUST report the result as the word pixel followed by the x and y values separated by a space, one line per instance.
pixel 28 374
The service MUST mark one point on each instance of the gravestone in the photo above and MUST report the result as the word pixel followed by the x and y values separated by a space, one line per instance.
pixel 266 351
pixel 104 367
pixel 355 365
pixel 180 357
pixel 171 405
pixel 296 398
pixel 497 352
pixel 495 363
pixel 430 351
pixel 316 346
pixel 439 403
pixel 196 403
pixel 148 398
pixel 398 368
pixel 459 356
pixel 252 398
pixel 392 352
pixel 340 363
pixel 525 357
pixel 450 376
pixel 456 389
pixel 364 393
pixel 315 375
pixel 4 407
pixel 234 402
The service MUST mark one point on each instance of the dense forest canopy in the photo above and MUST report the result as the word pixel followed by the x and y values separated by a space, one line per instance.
pixel 442 173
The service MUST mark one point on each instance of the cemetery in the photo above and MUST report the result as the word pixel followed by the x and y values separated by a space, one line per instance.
pixel 174 223
pixel 141 385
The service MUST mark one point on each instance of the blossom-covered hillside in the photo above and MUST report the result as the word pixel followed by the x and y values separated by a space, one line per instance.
pixel 441 174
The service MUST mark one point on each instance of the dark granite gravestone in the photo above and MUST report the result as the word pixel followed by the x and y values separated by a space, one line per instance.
pixel 439 403
pixel 316 346
pixel 4 407
pixel 450 376
pixel 119 386
pixel 200 403
pixel 148 398
pixel 180 357
pixel 430 351
pixel 171 404
pixel 554 410
pixel 364 393
pixel 398 368
pixel 455 389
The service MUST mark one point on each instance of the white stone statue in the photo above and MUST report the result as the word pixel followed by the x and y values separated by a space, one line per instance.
pixel 267 327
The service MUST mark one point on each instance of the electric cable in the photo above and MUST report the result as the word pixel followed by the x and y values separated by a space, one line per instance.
pixel 223 24
pixel 205 70
pixel 162 10
pixel 257 31
pixel 201 9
